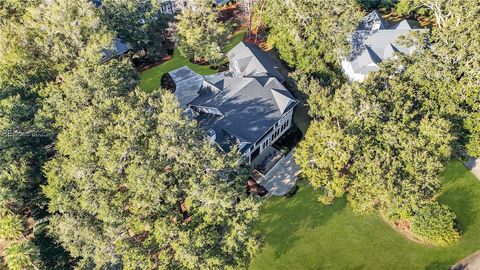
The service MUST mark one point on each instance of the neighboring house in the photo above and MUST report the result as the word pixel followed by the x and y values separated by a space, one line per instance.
pixel 374 41
pixel 174 6
pixel 119 48
pixel 247 107
pixel 171 6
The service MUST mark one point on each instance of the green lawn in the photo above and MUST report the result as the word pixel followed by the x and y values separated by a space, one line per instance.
pixel 150 78
pixel 300 233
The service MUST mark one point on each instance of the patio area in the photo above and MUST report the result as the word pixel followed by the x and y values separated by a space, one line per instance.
pixel 267 159
pixel 281 177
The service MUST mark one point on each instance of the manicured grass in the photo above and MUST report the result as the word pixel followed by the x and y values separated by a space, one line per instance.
pixel 235 39
pixel 150 78
pixel 300 233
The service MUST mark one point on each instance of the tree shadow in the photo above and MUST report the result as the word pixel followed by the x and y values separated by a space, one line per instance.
pixel 454 172
pixel 52 254
pixel 462 201
pixel 374 4
pixel 287 216
pixel 438 265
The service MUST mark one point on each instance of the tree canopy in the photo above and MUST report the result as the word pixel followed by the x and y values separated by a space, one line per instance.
pixel 38 40
pixel 139 23
pixel 199 34
pixel 136 185
pixel 312 36
pixel 374 143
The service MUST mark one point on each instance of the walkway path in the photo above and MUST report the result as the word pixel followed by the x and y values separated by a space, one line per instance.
pixel 473 164
pixel 282 177
pixel 471 262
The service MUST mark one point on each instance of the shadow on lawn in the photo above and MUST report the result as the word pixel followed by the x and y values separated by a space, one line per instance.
pixel 438 265
pixel 284 220
pixel 462 201
pixel 461 196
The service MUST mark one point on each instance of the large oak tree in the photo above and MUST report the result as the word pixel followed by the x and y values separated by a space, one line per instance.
pixel 312 35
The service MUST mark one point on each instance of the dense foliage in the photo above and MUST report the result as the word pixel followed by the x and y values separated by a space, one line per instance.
pixel 434 223
pixel 38 41
pixel 135 184
pixel 312 35
pixel 131 182
pixel 385 142
pixel 375 144
pixel 139 23
pixel 200 36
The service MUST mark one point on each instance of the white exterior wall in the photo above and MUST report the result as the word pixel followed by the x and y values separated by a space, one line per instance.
pixel 280 128
pixel 351 75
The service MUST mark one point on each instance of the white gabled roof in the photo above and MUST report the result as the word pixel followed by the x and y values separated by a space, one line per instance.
pixel 375 41
pixel 389 51
pixel 403 25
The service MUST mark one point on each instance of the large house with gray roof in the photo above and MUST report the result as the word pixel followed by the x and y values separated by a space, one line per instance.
pixel 247 107
pixel 374 41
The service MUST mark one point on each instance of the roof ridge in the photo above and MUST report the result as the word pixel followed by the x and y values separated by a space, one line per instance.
pixel 282 100
pixel 403 25
pixel 373 56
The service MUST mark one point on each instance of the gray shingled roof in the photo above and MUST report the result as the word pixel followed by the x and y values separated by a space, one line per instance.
pixel 252 62
pixel 373 21
pixel 249 108
pixel 187 83
pixel 375 40
pixel 238 110
pixel 119 48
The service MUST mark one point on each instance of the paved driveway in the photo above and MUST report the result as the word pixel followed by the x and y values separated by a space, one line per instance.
pixel 472 262
pixel 281 178
pixel 473 164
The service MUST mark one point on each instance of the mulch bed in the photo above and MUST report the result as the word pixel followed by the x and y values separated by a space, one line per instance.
pixel 228 12
pixel 147 66
pixel 201 62
pixel 403 227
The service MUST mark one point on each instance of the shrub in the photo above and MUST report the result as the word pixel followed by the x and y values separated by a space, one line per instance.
pixel 435 224
pixel 371 4
pixel 403 7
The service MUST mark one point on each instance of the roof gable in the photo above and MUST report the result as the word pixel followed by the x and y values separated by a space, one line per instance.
pixel 251 61
pixel 403 25
pixel 375 41
pixel 283 101
pixel 389 51
pixel 373 21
